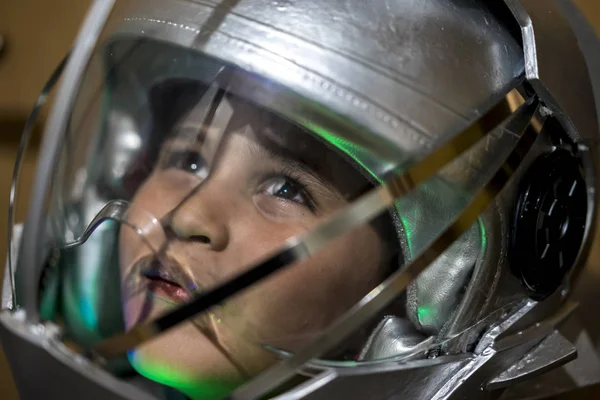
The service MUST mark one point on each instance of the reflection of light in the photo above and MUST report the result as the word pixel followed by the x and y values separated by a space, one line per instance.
pixel 360 155
pixel 88 313
pixel 130 140
pixel 126 141
pixel 351 149
pixel 423 313
pixel 119 169
pixel 483 235
pixel 124 131
pixel 157 370
pixel 69 237
pixel 73 219
pixel 79 185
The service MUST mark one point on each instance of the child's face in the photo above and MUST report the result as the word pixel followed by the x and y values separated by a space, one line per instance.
pixel 264 187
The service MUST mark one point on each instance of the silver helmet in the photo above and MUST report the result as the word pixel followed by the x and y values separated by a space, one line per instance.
pixel 299 199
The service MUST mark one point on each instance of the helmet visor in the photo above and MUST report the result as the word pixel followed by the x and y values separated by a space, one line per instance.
pixel 202 182
pixel 180 172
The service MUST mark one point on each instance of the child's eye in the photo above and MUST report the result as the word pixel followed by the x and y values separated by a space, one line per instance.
pixel 287 188
pixel 189 161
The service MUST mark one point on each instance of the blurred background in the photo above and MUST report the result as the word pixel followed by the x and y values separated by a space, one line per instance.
pixel 34 37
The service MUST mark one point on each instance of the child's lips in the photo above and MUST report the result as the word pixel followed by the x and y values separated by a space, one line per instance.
pixel 168 289
pixel 167 279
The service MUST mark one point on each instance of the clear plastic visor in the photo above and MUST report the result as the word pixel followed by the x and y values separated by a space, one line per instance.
pixel 171 183
pixel 174 179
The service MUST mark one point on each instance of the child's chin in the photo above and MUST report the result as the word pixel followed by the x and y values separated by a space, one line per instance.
pixel 151 364
pixel 184 359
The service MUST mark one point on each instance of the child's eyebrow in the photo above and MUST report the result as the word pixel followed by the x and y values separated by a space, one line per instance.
pixel 299 150
pixel 266 148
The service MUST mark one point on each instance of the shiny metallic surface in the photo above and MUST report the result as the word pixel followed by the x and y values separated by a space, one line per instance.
pixel 539 329
pixel 483 267
pixel 479 367
pixel 442 377
pixel 527 36
pixel 383 87
pixel 439 288
pixel 413 379
pixel 392 337
pixel 553 351
pixel 23 343
pixel 582 372
pixel 471 379
pixel 492 286
pixel 414 86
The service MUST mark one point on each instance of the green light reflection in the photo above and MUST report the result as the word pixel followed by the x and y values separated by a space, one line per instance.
pixel 192 386
pixel 358 154
pixel 424 313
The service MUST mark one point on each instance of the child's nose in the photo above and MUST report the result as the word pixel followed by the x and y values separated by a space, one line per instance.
pixel 201 218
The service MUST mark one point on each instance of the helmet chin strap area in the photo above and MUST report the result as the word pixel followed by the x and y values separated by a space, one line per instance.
pixel 361 211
